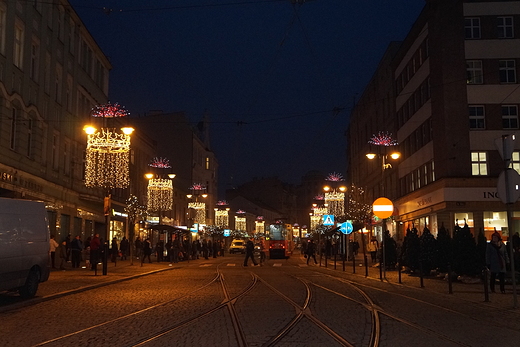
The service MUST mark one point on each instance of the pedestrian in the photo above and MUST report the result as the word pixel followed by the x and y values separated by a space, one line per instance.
pixel 250 252
pixel 52 249
pixel 311 251
pixel 205 249
pixel 138 247
pixel 176 248
pixel 124 247
pixel 76 247
pixel 147 251
pixel 497 260
pixel 62 251
pixel 263 249
pixel 159 251
pixel 95 245
pixel 114 250
pixel 303 248
pixel 355 246
pixel 68 247
pixel 215 248
pixel 372 248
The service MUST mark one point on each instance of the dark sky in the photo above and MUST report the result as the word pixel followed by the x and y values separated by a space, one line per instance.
pixel 277 79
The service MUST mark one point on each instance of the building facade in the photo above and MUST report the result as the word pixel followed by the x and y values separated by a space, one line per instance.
pixel 447 94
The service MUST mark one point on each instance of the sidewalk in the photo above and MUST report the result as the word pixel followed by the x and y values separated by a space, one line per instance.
pixel 473 292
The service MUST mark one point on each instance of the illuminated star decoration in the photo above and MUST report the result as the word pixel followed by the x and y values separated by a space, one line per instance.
pixel 160 163
pixel 319 197
pixel 334 177
pixel 222 203
pixel 241 211
pixel 383 139
pixel 109 111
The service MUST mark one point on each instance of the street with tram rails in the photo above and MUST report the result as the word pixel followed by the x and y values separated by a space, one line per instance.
pixel 281 303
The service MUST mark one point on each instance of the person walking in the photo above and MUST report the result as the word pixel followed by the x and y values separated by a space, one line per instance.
pixel 52 249
pixel 205 251
pixel 263 249
pixel 250 252
pixel 372 248
pixel 496 260
pixel 147 250
pixel 138 247
pixel 68 247
pixel 176 248
pixel 311 251
pixel 114 250
pixel 76 247
pixel 124 247
pixel 95 245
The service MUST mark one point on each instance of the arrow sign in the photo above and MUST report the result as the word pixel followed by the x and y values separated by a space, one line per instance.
pixel 328 219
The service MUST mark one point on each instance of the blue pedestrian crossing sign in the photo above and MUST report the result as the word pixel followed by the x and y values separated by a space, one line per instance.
pixel 346 227
pixel 328 219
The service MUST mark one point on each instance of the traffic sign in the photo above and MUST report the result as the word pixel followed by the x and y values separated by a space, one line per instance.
pixel 328 219
pixel 346 228
pixel 227 232
pixel 508 192
pixel 383 208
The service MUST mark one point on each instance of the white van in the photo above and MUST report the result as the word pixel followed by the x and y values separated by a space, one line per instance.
pixel 24 246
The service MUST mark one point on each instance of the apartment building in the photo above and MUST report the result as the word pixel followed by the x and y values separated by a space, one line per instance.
pixel 446 93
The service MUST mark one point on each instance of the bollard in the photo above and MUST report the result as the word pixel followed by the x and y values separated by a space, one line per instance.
pixel 366 265
pixel 353 263
pixel 380 271
pixel 344 256
pixel 105 259
pixel 399 272
pixel 450 285
pixel 486 287
pixel 334 261
pixel 421 277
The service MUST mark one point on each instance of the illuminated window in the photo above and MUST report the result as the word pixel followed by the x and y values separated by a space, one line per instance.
pixel 207 163
pixel 479 163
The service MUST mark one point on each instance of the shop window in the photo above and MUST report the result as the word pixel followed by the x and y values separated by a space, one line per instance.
pixel 494 220
pixel 464 217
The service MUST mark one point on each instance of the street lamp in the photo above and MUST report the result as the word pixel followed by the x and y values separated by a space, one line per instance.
pixel 383 140
pixel 107 158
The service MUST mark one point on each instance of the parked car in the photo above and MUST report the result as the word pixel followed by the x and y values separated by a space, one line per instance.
pixel 237 246
pixel 24 246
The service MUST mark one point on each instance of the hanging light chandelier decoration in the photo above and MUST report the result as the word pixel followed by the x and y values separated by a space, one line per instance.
pixel 160 189
pixel 198 206
pixel 222 214
pixel 108 151
pixel 335 197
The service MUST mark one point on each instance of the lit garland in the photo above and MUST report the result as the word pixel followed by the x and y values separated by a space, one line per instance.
pixel 240 223
pixel 315 222
pixel 160 163
pixel 336 202
pixel 383 139
pixel 200 211
pixel 222 218
pixel 160 194
pixel 260 226
pixel 320 211
pixel 109 111
pixel 107 169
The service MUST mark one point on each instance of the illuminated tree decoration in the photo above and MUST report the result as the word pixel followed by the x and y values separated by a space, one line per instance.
pixel 107 159
pixel 160 163
pixel 334 177
pixel 109 111
pixel 160 194
pixel 383 139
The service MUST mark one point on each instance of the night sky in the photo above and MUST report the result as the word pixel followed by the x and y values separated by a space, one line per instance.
pixel 277 79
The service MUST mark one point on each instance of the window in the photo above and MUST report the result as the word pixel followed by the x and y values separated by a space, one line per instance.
pixel 507 71
pixel 18 44
pixel 58 83
pixel 207 163
pixel 510 117
pixel 29 137
pixel 472 28
pixel 476 117
pixel 479 163
pixel 505 27
pixel 474 72
pixel 35 59
pixel 12 135
pixel 2 27
pixel 55 152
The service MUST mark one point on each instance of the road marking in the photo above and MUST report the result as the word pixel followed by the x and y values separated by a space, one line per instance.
pixel 231 264
pixel 204 265
pixel 277 264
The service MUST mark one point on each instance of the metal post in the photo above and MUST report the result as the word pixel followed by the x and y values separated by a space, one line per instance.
pixel 486 284
pixel 450 284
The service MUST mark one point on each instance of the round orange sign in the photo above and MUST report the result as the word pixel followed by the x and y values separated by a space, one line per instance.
pixel 383 208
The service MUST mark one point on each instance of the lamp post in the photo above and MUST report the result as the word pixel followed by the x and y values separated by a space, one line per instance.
pixel 107 159
pixel 383 140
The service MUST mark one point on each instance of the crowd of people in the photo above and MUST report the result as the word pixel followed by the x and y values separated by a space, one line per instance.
pixel 91 251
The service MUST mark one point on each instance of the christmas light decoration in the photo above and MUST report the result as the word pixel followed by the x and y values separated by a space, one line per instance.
pixel 334 177
pixel 109 111
pixel 222 203
pixel 222 218
pixel 240 223
pixel 336 202
pixel 107 159
pixel 160 194
pixel 383 139
pixel 259 226
pixel 315 221
pixel 197 186
pixel 160 163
